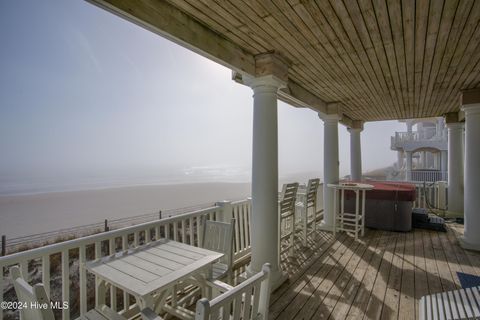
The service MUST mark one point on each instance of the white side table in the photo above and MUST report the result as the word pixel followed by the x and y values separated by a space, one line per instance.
pixel 353 222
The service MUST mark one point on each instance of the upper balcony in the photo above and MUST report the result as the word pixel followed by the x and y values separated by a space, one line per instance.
pixel 412 141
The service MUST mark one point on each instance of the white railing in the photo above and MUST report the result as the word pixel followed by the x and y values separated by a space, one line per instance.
pixel 401 137
pixel 429 175
pixel 185 228
pixel 59 263
pixel 431 195
pixel 406 136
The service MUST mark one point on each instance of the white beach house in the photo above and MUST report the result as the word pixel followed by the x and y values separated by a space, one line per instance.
pixel 352 62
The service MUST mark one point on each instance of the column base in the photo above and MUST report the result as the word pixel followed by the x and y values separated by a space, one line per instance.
pixel 325 227
pixel 469 246
pixel 277 277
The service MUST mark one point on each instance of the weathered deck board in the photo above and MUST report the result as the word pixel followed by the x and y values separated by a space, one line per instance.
pixel 383 275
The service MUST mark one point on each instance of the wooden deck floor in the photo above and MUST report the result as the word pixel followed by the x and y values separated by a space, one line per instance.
pixel 381 276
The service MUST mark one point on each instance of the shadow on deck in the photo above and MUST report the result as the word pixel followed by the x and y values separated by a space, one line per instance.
pixel 381 276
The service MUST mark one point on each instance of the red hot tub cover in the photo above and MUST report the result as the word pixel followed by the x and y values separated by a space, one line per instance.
pixel 388 205
pixel 393 191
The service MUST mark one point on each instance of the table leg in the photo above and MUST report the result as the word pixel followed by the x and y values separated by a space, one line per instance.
pixel 206 289
pixel 357 213
pixel 342 207
pixel 363 212
pixel 145 302
pixel 160 301
pixel 335 212
pixel 101 288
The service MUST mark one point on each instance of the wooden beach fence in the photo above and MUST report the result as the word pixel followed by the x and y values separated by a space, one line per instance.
pixel 4 245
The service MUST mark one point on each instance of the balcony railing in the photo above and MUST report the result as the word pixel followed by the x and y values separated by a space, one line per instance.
pixel 429 175
pixel 431 195
pixel 428 135
pixel 185 228
pixel 56 264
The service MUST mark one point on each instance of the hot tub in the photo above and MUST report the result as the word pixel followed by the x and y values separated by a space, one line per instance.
pixel 388 205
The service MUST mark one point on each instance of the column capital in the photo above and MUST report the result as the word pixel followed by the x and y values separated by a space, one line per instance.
pixel 357 126
pixel 272 63
pixel 268 81
pixel 354 130
pixel 470 96
pixel 469 109
pixel 455 125
pixel 330 118
pixel 333 113
pixel 451 117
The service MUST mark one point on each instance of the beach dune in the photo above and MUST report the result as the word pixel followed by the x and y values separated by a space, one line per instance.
pixel 22 215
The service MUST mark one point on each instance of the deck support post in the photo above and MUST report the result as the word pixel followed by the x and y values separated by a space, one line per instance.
pixel 355 152
pixel 265 218
pixel 436 160
pixel 455 167
pixel 443 164
pixel 423 160
pixel 408 169
pixel 471 238
pixel 400 159
pixel 330 166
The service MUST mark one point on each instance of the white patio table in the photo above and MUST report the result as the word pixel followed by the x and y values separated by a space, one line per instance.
pixel 150 271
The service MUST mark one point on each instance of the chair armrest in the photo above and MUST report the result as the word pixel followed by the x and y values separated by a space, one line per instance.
pixel 149 314
pixel 221 286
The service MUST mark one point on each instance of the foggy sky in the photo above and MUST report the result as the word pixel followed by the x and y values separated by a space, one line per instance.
pixel 83 91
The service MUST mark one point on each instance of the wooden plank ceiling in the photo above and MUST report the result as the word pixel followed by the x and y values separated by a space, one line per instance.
pixel 382 59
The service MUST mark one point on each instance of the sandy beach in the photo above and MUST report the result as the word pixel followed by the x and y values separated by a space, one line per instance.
pixel 23 215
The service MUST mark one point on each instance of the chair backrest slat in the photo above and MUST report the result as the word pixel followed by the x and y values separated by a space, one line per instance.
pixel 287 201
pixel 311 195
pixel 218 236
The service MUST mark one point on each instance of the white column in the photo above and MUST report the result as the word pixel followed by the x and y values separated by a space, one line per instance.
pixel 436 160
pixel 330 166
pixel 420 130
pixel 409 126
pixel 355 154
pixel 422 160
pixel 444 163
pixel 408 156
pixel 440 125
pixel 264 232
pixel 471 237
pixel 455 167
pixel 400 159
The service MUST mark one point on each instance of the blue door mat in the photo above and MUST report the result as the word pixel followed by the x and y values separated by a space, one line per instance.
pixel 468 280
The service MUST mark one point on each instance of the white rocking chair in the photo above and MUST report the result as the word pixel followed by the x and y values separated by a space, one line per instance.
pixel 37 295
pixel 286 210
pixel 218 236
pixel 249 300
pixel 307 207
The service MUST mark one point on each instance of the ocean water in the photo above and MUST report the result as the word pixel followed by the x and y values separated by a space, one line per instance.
pixel 25 184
